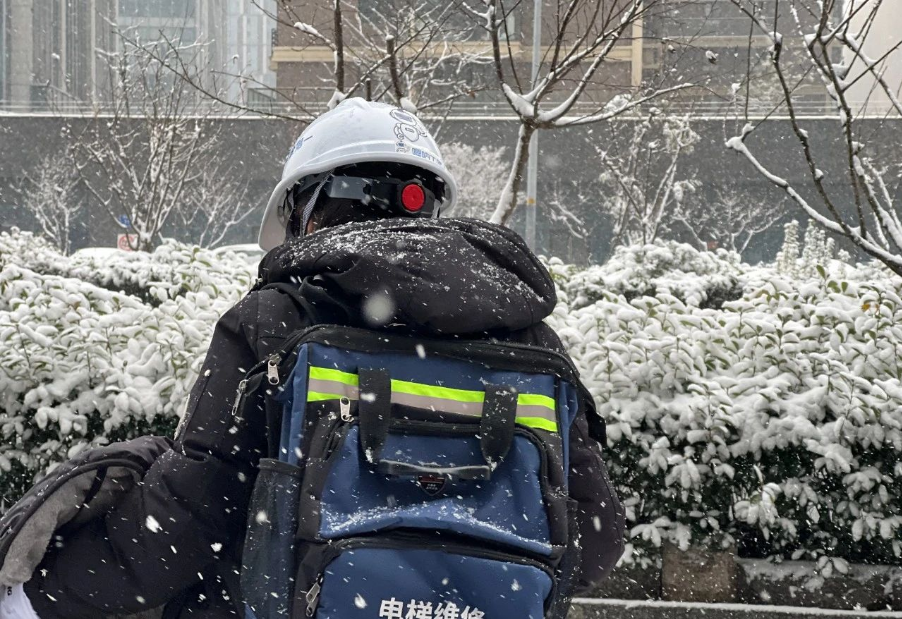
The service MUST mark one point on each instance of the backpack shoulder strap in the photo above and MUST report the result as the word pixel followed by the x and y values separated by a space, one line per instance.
pixel 274 412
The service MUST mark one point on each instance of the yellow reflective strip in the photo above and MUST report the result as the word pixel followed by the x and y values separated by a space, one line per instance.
pixel 331 386
pixel 317 396
pixel 444 405
pixel 445 393
pixel 333 374
pixel 442 393
pixel 537 422
pixel 536 399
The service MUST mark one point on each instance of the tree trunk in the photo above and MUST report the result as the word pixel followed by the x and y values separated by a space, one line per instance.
pixel 507 202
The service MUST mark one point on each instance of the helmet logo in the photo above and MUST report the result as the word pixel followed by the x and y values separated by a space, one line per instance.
pixel 408 127
pixel 403 117
pixel 406 132
pixel 422 154
pixel 297 145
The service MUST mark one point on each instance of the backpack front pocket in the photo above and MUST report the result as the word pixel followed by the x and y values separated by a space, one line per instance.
pixel 394 578
pixel 425 486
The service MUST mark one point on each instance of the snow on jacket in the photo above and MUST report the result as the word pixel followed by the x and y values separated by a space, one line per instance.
pixel 175 538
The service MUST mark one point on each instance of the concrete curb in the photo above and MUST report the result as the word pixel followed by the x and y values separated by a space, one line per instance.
pixel 591 608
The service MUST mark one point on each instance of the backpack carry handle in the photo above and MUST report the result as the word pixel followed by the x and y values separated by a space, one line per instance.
pixel 496 428
pixel 374 411
pixel 451 473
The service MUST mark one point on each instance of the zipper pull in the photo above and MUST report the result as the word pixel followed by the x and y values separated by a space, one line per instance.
pixel 272 370
pixel 312 596
pixel 242 387
pixel 345 406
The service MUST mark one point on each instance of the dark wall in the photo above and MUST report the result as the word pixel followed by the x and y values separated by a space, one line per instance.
pixel 258 146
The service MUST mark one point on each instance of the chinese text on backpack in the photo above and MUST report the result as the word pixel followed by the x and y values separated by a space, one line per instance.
pixel 415 479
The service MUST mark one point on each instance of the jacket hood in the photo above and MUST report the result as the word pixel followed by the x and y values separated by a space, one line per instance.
pixel 445 276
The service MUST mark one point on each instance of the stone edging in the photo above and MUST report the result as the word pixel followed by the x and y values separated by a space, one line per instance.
pixel 593 608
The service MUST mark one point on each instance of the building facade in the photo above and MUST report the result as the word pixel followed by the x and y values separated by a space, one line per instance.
pixel 46 46
pixel 708 43
pixel 251 30
pixel 53 53
pixel 714 46
pixel 454 55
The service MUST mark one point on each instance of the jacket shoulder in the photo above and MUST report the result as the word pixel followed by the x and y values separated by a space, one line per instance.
pixel 267 316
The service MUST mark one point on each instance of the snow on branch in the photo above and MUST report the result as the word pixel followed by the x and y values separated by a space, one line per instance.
pixel 313 32
pixel 619 108
pixel 487 16
pixel 872 68
pixel 878 231
pixel 147 159
pixel 49 194
pixel 737 144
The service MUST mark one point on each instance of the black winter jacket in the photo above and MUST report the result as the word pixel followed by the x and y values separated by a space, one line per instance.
pixel 174 539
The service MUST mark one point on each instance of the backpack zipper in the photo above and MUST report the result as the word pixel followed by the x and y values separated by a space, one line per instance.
pixel 272 369
pixel 272 377
pixel 312 595
pixel 287 351
pixel 239 396
pixel 344 405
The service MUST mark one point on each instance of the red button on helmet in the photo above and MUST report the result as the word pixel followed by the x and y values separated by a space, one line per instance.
pixel 413 198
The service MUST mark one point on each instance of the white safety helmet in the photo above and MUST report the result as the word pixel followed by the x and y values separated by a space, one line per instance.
pixel 356 131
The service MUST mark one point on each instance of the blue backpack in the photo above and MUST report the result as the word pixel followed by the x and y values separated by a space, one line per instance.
pixel 414 478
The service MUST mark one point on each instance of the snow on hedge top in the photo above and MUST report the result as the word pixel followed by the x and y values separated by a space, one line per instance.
pixel 171 270
pixel 82 362
pixel 668 268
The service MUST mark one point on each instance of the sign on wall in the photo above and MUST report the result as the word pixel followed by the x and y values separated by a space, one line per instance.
pixel 127 241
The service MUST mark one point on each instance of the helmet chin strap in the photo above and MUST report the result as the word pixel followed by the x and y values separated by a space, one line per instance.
pixel 308 208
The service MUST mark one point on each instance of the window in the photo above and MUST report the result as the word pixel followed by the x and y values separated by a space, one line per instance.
pixel 174 34
pixel 157 8
pixel 385 15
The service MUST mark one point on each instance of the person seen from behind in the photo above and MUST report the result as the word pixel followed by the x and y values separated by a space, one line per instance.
pixel 354 237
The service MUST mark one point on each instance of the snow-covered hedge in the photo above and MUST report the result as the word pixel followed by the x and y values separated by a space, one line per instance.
pixel 699 279
pixel 772 421
pixel 81 363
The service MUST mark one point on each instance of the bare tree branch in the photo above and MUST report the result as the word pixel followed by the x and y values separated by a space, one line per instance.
pixel 877 231
pixel 577 45
pixel 148 157
pixel 49 194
